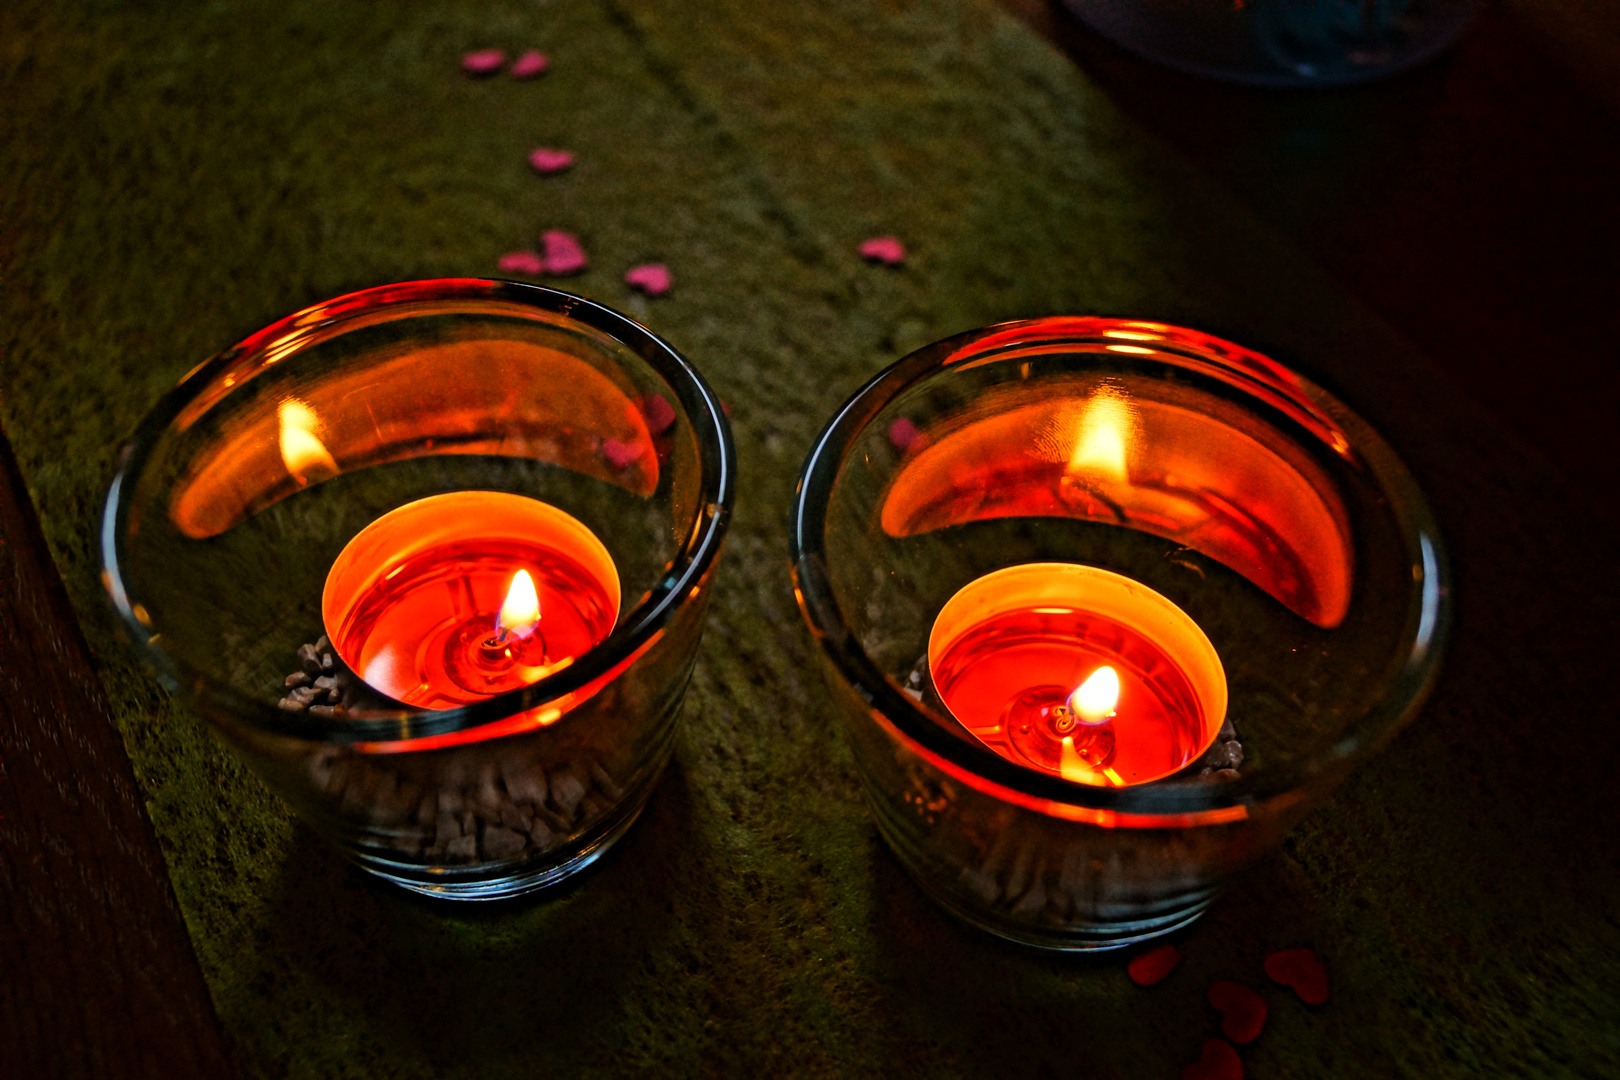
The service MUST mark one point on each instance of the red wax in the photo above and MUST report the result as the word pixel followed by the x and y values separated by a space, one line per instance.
pixel 1009 650
pixel 413 603
pixel 1004 678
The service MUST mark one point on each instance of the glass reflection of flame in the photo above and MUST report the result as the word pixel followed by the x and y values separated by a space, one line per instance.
pixel 302 451
pixel 1101 437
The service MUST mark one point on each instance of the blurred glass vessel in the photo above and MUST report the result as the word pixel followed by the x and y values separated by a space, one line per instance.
pixel 520 491
pixel 1281 42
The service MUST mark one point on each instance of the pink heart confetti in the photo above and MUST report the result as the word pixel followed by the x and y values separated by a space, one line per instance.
pixel 1218 1062
pixel 658 412
pixel 546 161
pixel 620 454
pixel 532 63
pixel 651 278
pixel 563 254
pixel 903 434
pixel 1150 967
pixel 884 249
pixel 521 262
pixel 483 62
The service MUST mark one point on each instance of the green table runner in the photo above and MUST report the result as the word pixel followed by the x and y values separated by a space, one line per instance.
pixel 175 175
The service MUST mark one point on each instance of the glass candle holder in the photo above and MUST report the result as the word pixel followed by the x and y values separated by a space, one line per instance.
pixel 1281 42
pixel 1108 606
pixel 434 559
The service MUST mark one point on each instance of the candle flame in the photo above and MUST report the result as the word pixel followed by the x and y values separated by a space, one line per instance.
pixel 301 450
pixel 1093 701
pixel 1102 436
pixel 520 611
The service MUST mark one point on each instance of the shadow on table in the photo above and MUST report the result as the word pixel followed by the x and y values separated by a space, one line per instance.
pixel 470 985
pixel 1459 887
pixel 1001 1008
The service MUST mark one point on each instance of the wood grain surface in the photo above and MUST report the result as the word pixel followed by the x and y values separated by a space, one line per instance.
pixel 97 975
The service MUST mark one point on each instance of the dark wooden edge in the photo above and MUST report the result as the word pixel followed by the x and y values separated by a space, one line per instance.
pixel 97 973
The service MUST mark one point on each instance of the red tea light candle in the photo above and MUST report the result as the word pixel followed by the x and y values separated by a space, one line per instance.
pixel 1078 671
pixel 458 597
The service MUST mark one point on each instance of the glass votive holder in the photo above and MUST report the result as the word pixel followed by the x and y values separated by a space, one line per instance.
pixel 434 559
pixel 1108 605
pixel 1281 42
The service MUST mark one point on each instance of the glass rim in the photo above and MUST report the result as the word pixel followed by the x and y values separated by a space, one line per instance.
pixel 631 636
pixel 924 731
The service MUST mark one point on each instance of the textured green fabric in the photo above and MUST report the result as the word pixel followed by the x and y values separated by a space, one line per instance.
pixel 174 175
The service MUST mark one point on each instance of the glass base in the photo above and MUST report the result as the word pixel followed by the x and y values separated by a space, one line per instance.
pixel 1076 935
pixel 1083 937
pixel 504 881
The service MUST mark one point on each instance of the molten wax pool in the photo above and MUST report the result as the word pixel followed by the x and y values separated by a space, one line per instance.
pixel 1078 671
pixel 459 597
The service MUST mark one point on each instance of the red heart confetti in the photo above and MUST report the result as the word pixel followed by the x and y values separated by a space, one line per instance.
pixel 532 63
pixel 658 413
pixel 521 262
pixel 903 434
pixel 1243 1012
pixel 1300 969
pixel 1218 1062
pixel 1152 966
pixel 884 249
pixel 620 454
pixel 546 161
pixel 483 62
pixel 563 255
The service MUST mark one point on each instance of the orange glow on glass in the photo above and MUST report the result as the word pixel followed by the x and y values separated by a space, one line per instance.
pixel 1181 465
pixel 1090 815
pixel 557 408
